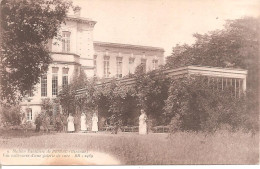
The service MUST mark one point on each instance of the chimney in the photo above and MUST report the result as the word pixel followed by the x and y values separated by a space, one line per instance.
pixel 77 11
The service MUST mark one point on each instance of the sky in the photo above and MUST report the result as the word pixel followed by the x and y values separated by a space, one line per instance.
pixel 161 23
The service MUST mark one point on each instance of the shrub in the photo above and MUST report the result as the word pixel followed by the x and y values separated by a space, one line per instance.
pixel 201 106
pixel 11 115
pixel 151 91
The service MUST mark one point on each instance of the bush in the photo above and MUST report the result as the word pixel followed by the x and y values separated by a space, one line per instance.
pixel 151 91
pixel 11 115
pixel 200 106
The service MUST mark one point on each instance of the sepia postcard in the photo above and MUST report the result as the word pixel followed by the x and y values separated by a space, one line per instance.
pixel 129 82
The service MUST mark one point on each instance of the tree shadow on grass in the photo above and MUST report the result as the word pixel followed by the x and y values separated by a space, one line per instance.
pixel 21 133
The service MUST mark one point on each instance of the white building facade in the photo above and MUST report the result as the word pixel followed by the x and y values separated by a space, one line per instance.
pixel 118 60
pixel 75 49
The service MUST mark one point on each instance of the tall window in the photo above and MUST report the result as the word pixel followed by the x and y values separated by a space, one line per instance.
pixel 44 85
pixel 55 81
pixel 65 41
pixel 29 114
pixel 106 66
pixel 95 65
pixel 65 79
pixel 119 66
pixel 143 63
pixel 131 64
pixel 155 64
pixel 234 84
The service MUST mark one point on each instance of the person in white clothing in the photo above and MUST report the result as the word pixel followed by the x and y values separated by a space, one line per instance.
pixel 70 120
pixel 83 122
pixel 95 123
pixel 143 123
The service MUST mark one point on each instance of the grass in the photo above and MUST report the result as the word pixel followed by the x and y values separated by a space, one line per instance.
pixel 130 148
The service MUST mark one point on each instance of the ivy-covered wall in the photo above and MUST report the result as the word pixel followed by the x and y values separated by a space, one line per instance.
pixel 195 102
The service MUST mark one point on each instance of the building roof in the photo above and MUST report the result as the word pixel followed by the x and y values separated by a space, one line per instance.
pixel 185 70
pixel 81 19
pixel 208 71
pixel 121 45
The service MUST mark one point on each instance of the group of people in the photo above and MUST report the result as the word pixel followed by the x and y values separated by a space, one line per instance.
pixel 44 121
pixel 83 123
pixel 62 124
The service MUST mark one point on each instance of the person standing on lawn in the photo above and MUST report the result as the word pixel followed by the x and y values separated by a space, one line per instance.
pixel 23 120
pixel 64 122
pixel 143 123
pixel 95 123
pixel 58 122
pixel 45 123
pixel 38 123
pixel 83 122
pixel 70 120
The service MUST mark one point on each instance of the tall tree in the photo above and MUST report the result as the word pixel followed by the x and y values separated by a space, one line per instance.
pixel 27 25
pixel 236 46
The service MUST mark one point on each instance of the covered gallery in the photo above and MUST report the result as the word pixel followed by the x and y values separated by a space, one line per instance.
pixel 223 76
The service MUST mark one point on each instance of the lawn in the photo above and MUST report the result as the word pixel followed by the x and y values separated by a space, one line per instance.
pixel 131 148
